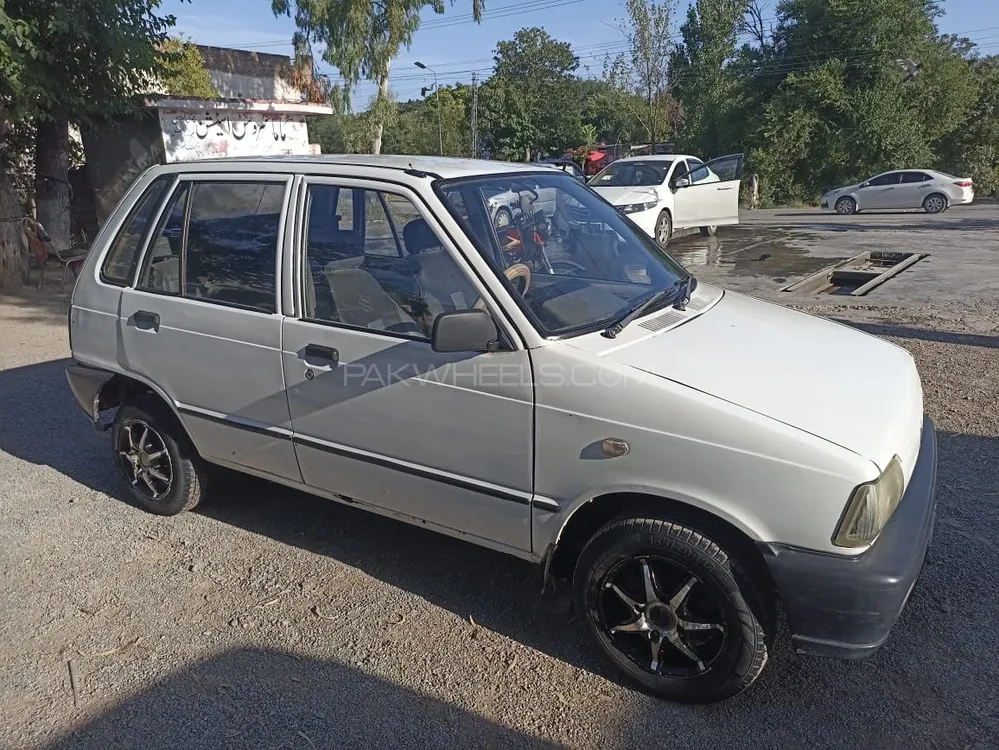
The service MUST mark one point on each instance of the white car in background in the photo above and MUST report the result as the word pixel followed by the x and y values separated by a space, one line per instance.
pixel 676 191
pixel 927 189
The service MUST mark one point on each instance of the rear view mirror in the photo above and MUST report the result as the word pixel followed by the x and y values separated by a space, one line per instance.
pixel 865 184
pixel 465 331
pixel 681 182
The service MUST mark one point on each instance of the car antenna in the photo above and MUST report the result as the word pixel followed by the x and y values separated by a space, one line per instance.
pixel 414 172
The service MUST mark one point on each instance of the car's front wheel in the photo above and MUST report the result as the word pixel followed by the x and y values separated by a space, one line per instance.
pixel 671 610
pixel 846 206
pixel 162 470
pixel 664 228
pixel 503 218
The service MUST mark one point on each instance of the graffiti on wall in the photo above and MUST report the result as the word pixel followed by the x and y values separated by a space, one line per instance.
pixel 211 134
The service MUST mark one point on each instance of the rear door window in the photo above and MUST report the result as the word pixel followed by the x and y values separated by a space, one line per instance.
pixel 217 242
pixel 913 177
pixel 232 239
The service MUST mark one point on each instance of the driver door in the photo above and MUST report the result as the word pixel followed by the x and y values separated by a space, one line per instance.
pixel 712 189
pixel 378 415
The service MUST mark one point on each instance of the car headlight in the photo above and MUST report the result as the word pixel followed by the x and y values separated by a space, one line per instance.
pixel 634 208
pixel 870 507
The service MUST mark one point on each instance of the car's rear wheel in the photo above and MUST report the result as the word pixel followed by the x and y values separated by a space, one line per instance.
pixel 846 206
pixel 935 203
pixel 709 231
pixel 664 228
pixel 163 473
pixel 671 610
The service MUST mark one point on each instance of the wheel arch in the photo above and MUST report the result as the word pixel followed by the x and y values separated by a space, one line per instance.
pixel 942 195
pixel 120 388
pixel 583 522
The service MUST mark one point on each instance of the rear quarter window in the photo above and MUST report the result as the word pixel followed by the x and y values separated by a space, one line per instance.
pixel 119 265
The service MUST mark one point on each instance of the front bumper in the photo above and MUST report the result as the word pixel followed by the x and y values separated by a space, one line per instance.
pixel 646 220
pixel 845 606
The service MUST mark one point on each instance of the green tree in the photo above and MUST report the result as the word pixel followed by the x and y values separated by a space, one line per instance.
pixel 418 126
pixel 642 71
pixel 974 150
pixel 361 38
pixel 713 97
pixel 62 61
pixel 602 108
pixel 184 71
pixel 530 106
pixel 835 105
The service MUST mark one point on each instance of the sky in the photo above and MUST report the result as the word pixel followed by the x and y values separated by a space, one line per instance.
pixel 455 46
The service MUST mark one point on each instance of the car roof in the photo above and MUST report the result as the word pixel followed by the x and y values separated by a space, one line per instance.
pixel 445 167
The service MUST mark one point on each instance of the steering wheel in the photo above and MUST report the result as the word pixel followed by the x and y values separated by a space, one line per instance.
pixel 518 272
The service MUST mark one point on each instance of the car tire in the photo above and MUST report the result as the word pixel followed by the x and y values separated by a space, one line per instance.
pixel 503 218
pixel 664 228
pixel 161 469
pixel 845 206
pixel 935 203
pixel 694 583
pixel 709 231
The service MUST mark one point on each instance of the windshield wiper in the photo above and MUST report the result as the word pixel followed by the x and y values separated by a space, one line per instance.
pixel 680 292
pixel 683 287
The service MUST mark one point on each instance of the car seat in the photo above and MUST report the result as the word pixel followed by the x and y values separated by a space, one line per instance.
pixel 361 301
pixel 445 287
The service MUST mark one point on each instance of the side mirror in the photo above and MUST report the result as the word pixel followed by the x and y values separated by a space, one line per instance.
pixel 865 184
pixel 681 182
pixel 465 331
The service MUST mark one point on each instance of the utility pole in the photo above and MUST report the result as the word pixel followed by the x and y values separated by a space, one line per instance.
pixel 475 116
pixel 437 95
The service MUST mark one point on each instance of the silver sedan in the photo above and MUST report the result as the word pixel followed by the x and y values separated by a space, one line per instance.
pixel 927 189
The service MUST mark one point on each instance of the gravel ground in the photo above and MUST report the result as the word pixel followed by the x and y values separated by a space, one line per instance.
pixel 273 619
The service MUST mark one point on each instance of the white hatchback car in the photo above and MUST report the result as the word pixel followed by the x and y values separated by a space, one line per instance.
pixel 902 189
pixel 678 457
pixel 664 193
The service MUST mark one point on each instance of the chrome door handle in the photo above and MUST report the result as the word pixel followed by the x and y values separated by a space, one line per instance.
pixel 327 355
pixel 146 321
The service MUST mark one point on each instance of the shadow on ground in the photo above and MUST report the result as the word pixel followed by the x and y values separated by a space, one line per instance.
pixel 942 337
pixel 30 305
pixel 937 670
pixel 861 223
pixel 264 699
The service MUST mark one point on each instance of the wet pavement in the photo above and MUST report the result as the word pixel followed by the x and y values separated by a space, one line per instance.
pixel 771 249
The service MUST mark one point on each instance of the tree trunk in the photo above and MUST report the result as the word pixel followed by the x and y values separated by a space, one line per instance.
pixel 10 231
pixel 52 195
pixel 383 92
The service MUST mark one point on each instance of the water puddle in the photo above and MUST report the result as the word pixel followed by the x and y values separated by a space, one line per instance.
pixel 774 254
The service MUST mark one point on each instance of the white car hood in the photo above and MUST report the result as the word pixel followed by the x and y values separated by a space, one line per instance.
pixel 827 379
pixel 625 196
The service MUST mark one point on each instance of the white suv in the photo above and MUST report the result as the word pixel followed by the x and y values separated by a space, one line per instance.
pixel 678 458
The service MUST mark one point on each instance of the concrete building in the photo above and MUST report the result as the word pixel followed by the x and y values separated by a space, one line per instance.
pixel 242 74
pixel 259 112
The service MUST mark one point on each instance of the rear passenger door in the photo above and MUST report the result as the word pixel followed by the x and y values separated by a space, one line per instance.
pixel 913 189
pixel 201 320
pixel 378 416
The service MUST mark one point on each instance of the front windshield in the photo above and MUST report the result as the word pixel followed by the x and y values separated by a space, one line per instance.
pixel 632 174
pixel 574 263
